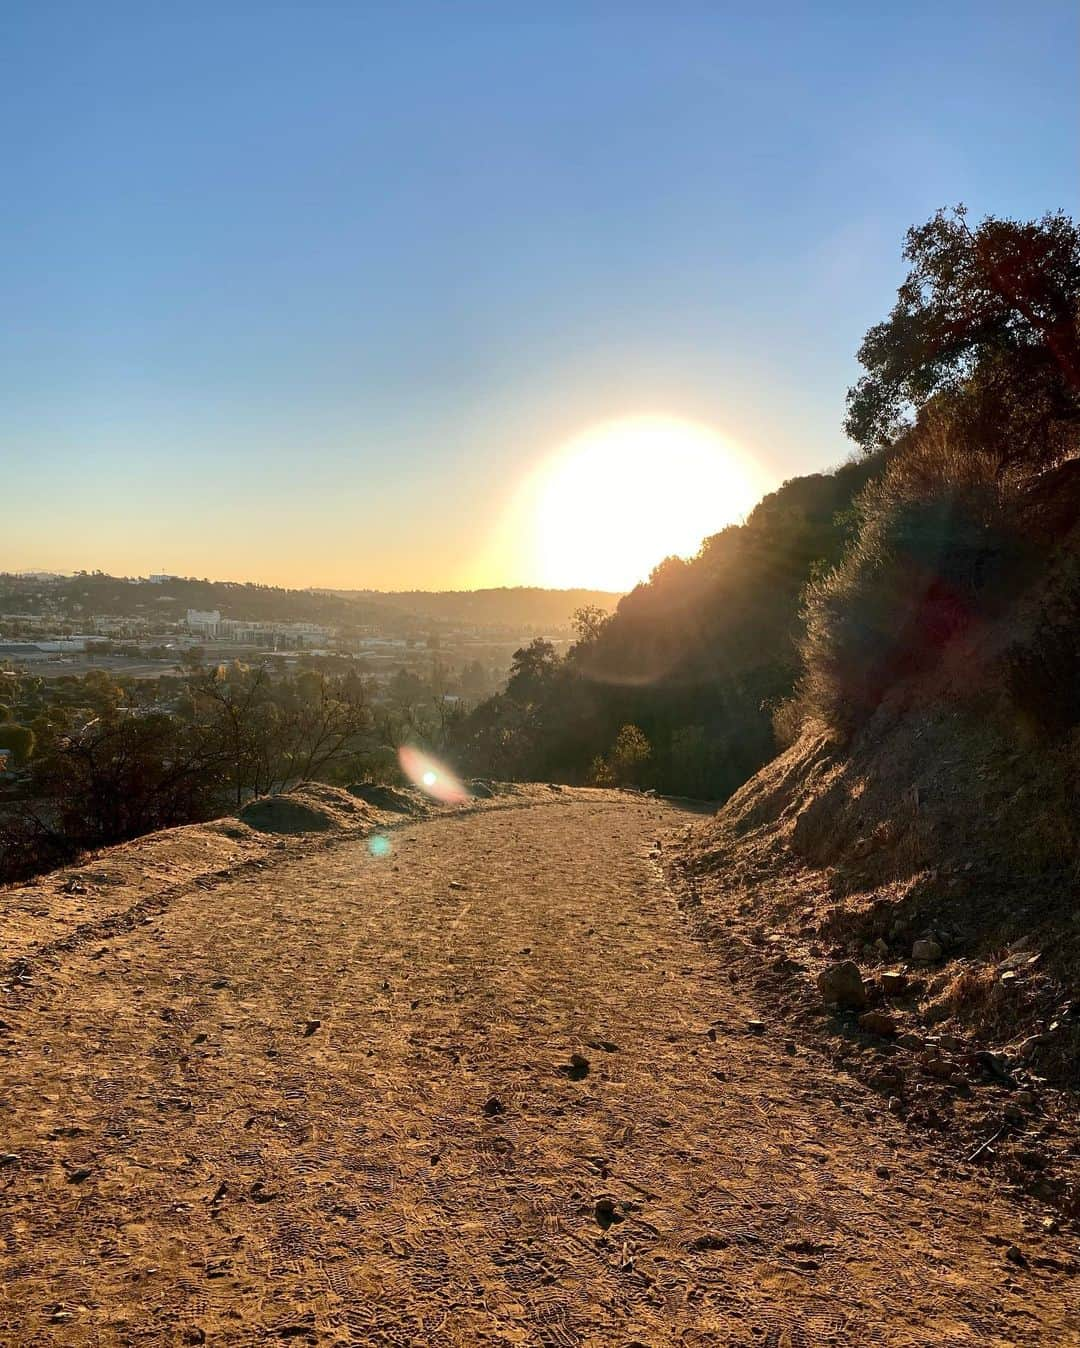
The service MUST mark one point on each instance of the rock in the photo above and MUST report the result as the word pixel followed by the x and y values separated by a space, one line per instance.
pixel 310 1026
pixel 8 1158
pixel 756 1026
pixel 606 1211
pixel 1015 1255
pixel 842 983
pixel 77 1175
pixel 577 1068
pixel 480 789
pixel 878 1022
pixel 494 1106
pixel 387 798
pixel 882 947
pixel 942 1068
pixel 286 814
pixel 893 982
pixel 882 1171
pixel 926 951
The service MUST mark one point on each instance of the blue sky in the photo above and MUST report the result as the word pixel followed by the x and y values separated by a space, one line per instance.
pixel 303 292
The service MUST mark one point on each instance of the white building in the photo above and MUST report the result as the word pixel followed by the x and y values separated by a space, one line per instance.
pixel 204 622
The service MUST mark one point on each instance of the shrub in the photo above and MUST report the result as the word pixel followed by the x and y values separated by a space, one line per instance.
pixel 629 755
pixel 941 547
pixel 19 740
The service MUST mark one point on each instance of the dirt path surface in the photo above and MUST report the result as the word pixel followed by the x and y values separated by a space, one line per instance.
pixel 336 1102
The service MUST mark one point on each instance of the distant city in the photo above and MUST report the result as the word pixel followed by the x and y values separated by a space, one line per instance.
pixel 163 625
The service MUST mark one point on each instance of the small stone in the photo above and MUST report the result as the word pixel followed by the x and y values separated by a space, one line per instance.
pixel 882 1171
pixel 882 947
pixel 842 983
pixel 791 1047
pixel 911 1041
pixel 756 1026
pixel 1015 1255
pixel 878 1022
pixel 494 1106
pixel 310 1027
pixel 77 1175
pixel 9 1158
pixel 893 982
pixel 606 1211
pixel 577 1068
pixel 937 1067
pixel 926 951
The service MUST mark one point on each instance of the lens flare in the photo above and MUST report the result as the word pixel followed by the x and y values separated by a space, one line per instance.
pixel 431 776
pixel 379 845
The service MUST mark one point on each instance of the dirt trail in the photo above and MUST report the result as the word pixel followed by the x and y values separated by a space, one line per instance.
pixel 334 1102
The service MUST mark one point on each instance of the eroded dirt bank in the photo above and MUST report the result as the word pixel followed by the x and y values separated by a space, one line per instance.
pixel 489 1088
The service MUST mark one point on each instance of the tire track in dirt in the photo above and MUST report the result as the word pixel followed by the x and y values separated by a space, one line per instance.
pixel 337 1101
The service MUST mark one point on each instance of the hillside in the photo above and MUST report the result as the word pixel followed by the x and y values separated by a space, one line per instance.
pixel 519 607
pixel 697 657
pixel 936 848
pixel 85 594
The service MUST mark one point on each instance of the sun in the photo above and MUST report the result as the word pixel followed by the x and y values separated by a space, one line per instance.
pixel 617 499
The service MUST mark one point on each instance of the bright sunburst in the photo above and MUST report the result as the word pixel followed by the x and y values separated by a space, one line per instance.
pixel 613 502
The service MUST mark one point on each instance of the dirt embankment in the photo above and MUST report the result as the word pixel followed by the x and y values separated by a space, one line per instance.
pixel 117 887
pixel 938 854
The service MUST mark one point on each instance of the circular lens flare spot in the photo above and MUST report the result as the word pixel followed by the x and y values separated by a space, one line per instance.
pixel 380 845
pixel 431 776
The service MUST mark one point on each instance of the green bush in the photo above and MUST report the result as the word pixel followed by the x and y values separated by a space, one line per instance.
pixel 941 548
pixel 19 740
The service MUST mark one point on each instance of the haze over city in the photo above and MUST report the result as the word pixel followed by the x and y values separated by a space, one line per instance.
pixel 365 295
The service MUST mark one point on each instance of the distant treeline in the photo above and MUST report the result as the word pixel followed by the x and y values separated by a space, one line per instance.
pixel 88 593
pixel 519 606
pixel 840 588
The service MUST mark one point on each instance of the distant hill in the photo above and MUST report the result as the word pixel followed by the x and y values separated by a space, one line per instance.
pixel 518 606
pixel 88 593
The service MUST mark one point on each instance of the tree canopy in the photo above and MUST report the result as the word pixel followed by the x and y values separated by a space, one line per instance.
pixel 984 327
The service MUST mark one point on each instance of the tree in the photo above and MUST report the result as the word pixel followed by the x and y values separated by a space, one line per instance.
pixel 18 740
pixel 589 621
pixel 532 670
pixel 629 755
pixel 986 327
pixel 120 777
pixel 275 735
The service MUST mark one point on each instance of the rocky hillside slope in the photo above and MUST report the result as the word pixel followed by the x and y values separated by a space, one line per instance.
pixel 915 891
